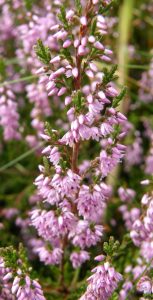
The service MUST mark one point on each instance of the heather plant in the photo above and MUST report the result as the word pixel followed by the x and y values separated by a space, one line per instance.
pixel 77 150
pixel 74 221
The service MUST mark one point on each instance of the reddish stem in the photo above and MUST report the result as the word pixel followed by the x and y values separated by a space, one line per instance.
pixel 75 157
pixel 75 150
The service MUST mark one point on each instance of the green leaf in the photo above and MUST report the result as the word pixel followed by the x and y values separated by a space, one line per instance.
pixel 29 4
pixel 93 26
pixel 78 7
pixel 111 247
pixel 43 52
pixel 12 257
pixel 63 163
pixel 105 247
pixel 54 135
pixel 65 53
pixel 78 100
pixel 48 129
pixel 119 98
pixel 109 75
pixel 62 17
pixel 46 165
pixel 2 68
pixel 114 296
pixel 105 8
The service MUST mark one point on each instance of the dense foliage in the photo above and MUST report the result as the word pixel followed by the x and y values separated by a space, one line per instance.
pixel 76 131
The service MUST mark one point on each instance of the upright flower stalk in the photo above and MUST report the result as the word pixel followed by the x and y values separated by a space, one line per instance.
pixel 58 84
pixel 75 196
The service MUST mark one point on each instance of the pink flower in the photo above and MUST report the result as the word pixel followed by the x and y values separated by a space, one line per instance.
pixel 67 44
pixel 91 205
pixel 145 285
pixel 78 258
pixel 75 72
pixel 102 283
pixel 126 195
pixel 9 117
pixel 99 46
pixel 83 20
pixel 53 154
pixel 85 235
pixel 45 189
pixel 106 128
pixel 31 289
pixel 49 257
pixel 66 185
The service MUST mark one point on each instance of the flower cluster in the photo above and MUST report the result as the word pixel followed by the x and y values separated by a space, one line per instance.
pixel 129 213
pixel 73 209
pixel 17 283
pixel 37 95
pixel 102 283
pixel 25 288
pixel 73 104
pixel 145 285
pixel 141 233
pixel 5 291
pixel 9 117
pixel 146 92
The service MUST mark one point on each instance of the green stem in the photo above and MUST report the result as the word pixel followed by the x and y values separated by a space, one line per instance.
pixel 26 78
pixel 21 157
pixel 125 20
pixel 75 278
